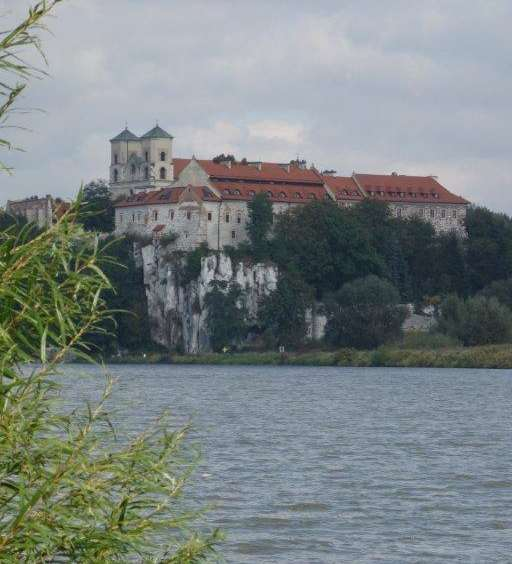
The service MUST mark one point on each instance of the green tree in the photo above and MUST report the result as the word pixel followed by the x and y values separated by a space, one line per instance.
pixel 364 314
pixel 98 209
pixel 501 290
pixel 476 321
pixel 326 245
pixel 281 314
pixel 489 247
pixel 259 225
pixel 226 317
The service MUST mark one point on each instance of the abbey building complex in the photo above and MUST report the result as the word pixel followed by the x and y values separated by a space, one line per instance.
pixel 202 201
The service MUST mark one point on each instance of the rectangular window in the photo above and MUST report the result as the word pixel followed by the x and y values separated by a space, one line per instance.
pixel 189 215
pixel 121 218
pixel 454 214
pixel 227 218
pixel 209 216
pixel 233 235
pixel 172 214
pixel 155 216
pixel 432 213
pixel 443 213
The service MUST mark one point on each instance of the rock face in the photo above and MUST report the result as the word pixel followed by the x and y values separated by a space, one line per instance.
pixel 177 312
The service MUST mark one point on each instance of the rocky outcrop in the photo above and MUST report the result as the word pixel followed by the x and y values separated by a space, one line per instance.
pixel 177 312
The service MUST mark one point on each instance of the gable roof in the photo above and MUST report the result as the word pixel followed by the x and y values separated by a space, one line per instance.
pixel 125 135
pixel 157 133
pixel 343 187
pixel 411 189
pixel 170 195
pixel 261 171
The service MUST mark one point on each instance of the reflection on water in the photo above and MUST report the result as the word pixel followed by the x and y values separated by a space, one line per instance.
pixel 321 465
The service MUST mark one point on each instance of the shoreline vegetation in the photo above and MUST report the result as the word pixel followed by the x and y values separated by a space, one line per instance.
pixel 491 356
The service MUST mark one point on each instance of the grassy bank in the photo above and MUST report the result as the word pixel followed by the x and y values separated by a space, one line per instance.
pixel 496 356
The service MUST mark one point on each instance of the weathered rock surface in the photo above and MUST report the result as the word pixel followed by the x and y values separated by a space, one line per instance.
pixel 177 312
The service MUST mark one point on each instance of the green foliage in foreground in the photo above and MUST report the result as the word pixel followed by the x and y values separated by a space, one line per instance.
pixel 69 492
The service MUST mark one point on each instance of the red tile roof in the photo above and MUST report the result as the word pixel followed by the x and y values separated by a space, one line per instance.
pixel 344 187
pixel 262 172
pixel 411 189
pixel 170 195
pixel 296 193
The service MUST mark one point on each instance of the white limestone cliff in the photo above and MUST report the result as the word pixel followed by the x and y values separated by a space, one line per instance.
pixel 177 313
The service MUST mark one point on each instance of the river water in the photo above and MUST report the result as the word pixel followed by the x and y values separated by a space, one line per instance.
pixel 332 465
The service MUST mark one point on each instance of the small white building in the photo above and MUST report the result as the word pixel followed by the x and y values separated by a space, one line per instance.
pixel 202 201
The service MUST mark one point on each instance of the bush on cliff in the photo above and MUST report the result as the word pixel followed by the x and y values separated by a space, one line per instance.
pixel 364 314
pixel 282 314
pixel 226 317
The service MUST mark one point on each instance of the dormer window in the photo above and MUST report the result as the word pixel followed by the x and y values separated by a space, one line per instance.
pixel 163 174
pixel 252 192
pixel 236 192
pixel 269 194
pixel 311 196
pixel 282 195
pixel 162 156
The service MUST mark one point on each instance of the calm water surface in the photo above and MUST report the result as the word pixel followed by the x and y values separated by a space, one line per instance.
pixel 323 465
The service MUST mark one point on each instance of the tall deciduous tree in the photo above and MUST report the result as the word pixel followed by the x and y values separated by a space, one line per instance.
pixel 260 224
pixel 97 212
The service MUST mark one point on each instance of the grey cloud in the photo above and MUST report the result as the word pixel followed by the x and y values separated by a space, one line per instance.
pixel 372 86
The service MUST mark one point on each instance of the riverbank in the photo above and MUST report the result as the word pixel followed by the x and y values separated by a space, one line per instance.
pixel 495 356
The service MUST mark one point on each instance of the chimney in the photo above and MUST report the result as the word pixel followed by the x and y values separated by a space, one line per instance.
pixel 226 163
pixel 255 164
pixel 285 166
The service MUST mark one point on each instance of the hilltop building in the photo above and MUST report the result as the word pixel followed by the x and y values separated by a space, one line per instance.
pixel 203 201
pixel 41 211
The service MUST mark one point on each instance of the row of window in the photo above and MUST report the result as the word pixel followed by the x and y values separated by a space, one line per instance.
pixel 170 215
pixel 432 213
pixel 403 194
pixel 146 155
pixel 269 193
pixel 133 170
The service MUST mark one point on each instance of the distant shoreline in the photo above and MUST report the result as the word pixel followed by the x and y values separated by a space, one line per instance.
pixel 490 357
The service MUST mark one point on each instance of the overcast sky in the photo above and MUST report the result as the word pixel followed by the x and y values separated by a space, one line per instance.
pixel 415 86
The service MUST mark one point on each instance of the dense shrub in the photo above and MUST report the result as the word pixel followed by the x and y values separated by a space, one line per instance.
pixel 501 290
pixel 226 317
pixel 192 264
pixel 364 314
pixel 476 321
pixel 282 313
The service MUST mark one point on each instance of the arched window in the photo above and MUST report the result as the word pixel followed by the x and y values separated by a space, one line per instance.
pixel 116 175
pixel 146 173
pixel 163 173
pixel 133 169
pixel 162 156
pixel 239 218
